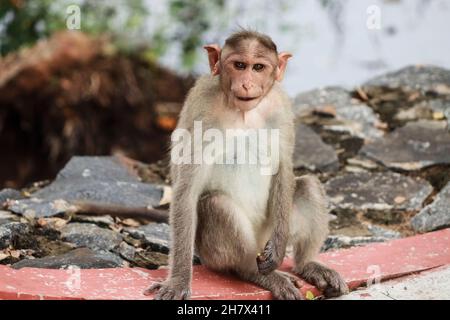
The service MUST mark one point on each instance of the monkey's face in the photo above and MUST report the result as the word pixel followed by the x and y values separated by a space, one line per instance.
pixel 247 74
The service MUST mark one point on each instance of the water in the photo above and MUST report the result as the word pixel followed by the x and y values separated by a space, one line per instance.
pixel 332 45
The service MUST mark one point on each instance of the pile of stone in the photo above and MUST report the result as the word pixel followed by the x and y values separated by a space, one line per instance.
pixel 381 150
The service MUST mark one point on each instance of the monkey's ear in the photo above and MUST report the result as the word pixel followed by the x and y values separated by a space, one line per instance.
pixel 283 58
pixel 213 57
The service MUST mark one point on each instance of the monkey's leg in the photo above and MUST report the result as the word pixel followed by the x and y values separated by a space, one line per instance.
pixel 309 229
pixel 226 242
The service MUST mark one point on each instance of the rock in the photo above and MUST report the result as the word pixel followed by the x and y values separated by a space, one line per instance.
pixel 126 251
pixel 91 236
pixel 7 217
pixel 354 169
pixel 414 78
pixel 97 179
pixel 99 220
pixel 37 207
pixel 154 235
pixel 156 238
pixel 342 112
pixel 329 98
pixel 344 242
pixel 416 146
pixel 151 260
pixel 377 192
pixel 379 232
pixel 420 111
pixel 312 153
pixel 436 215
pixel 9 232
pixel 52 223
pixel 10 194
pixel 363 163
pixel 441 106
pixel 83 258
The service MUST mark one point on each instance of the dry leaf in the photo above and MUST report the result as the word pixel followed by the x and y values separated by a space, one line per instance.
pixel 438 116
pixel 131 222
pixel 309 295
pixel 42 222
pixel 399 200
pixel 15 254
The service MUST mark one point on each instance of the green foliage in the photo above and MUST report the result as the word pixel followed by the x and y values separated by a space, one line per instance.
pixel 183 26
pixel 23 22
pixel 195 18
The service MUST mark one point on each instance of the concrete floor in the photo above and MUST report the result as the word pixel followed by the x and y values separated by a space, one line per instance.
pixel 429 285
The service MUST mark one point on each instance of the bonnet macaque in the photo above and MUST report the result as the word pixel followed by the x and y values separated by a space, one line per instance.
pixel 239 217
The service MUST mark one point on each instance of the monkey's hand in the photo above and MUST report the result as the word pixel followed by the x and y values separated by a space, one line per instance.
pixel 269 259
pixel 169 290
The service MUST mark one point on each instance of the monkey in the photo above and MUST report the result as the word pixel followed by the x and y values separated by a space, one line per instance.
pixel 239 220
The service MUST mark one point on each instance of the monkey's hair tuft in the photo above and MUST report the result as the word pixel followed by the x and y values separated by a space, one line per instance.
pixel 238 37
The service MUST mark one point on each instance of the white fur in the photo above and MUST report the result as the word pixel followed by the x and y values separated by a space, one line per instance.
pixel 245 183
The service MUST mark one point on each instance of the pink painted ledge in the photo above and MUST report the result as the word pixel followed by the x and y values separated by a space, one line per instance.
pixel 388 260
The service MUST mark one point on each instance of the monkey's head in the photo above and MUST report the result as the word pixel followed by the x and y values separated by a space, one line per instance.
pixel 248 66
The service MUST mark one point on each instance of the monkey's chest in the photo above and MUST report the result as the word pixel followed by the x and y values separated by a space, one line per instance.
pixel 244 172
pixel 248 189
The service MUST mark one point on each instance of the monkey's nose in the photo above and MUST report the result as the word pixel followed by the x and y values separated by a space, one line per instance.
pixel 247 86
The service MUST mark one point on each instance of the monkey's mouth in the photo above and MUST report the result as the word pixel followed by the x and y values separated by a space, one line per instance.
pixel 246 98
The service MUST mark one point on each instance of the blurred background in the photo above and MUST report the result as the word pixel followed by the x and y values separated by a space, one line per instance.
pixel 115 82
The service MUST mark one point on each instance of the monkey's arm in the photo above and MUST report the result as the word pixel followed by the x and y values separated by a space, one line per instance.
pixel 281 196
pixel 183 222
pixel 280 209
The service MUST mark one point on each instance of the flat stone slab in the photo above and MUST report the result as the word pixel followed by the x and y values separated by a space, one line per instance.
pixel 343 113
pixel 414 78
pixel 154 235
pixel 7 217
pixel 82 258
pixel 415 146
pixel 428 285
pixel 10 194
pixel 342 242
pixel 376 234
pixel 95 179
pixel 386 261
pixel 312 153
pixel 436 215
pixel 91 236
pixel 377 191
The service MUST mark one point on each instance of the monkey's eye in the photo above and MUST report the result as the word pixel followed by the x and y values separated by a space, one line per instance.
pixel 258 67
pixel 239 65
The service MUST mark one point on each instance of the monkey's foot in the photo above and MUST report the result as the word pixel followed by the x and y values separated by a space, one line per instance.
pixel 282 285
pixel 324 278
pixel 167 291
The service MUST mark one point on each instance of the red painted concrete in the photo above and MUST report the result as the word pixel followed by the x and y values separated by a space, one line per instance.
pixel 393 259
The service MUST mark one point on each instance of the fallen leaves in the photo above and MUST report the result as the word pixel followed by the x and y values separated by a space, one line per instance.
pixel 14 255
pixel 309 295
